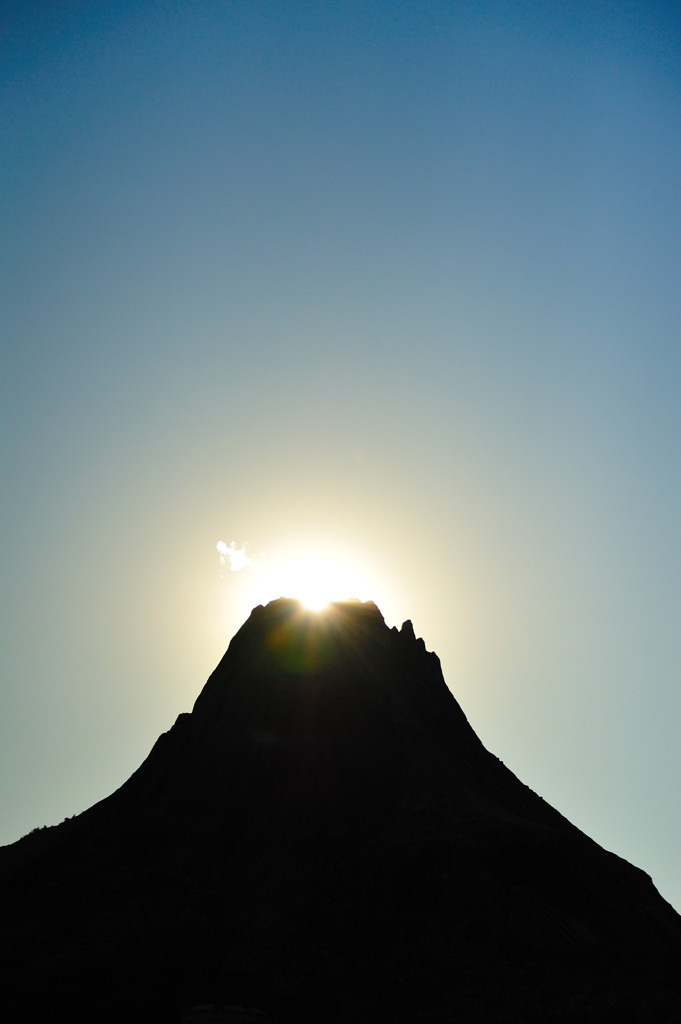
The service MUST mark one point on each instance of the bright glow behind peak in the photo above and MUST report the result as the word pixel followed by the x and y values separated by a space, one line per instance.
pixel 314 574
pixel 315 580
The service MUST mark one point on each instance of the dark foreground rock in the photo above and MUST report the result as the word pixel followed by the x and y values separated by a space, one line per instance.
pixel 325 839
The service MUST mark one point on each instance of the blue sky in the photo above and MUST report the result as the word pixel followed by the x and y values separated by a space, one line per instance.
pixel 396 282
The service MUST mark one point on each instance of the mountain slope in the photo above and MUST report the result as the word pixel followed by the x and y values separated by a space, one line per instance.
pixel 325 838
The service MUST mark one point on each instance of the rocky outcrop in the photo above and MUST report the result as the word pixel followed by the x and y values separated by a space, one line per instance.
pixel 324 838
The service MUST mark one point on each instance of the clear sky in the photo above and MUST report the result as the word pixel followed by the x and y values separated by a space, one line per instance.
pixel 392 283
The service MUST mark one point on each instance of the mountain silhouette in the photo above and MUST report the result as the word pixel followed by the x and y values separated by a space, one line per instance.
pixel 325 839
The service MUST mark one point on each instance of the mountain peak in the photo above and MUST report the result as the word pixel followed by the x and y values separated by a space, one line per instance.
pixel 325 837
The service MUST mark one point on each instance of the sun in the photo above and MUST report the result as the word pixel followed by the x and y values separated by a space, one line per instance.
pixel 315 573
pixel 315 579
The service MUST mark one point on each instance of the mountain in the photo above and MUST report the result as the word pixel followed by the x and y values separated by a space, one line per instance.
pixel 325 838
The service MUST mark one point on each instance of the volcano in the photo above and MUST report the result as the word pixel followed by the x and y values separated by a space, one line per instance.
pixel 324 838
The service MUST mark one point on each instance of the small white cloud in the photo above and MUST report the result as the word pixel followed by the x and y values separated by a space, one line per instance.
pixel 237 557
